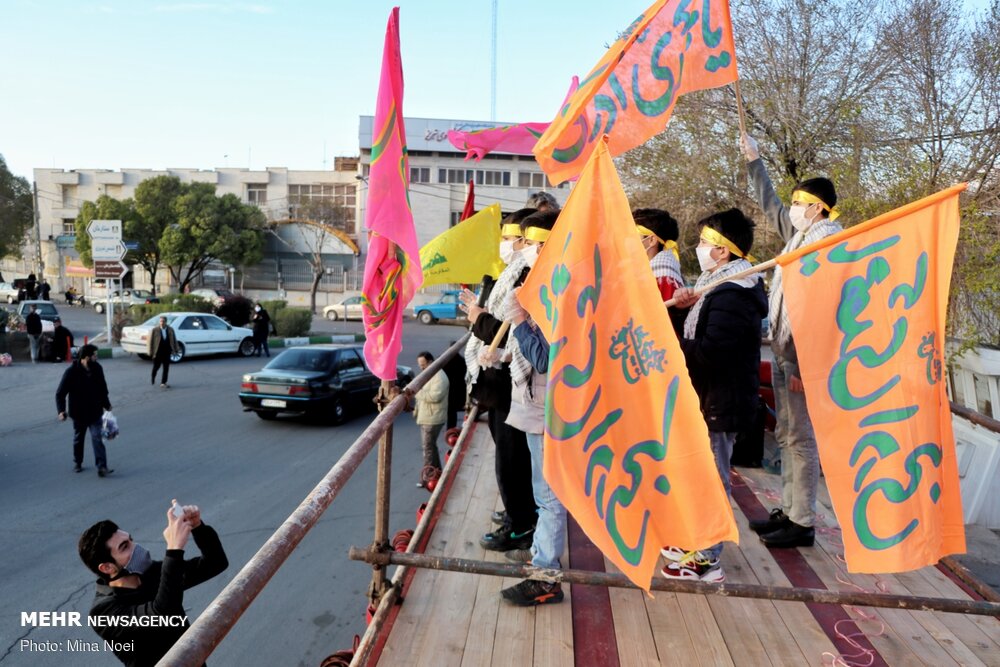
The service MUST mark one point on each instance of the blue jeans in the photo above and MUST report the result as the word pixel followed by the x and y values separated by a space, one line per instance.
pixel 33 340
pixel 550 532
pixel 794 433
pixel 722 448
pixel 79 433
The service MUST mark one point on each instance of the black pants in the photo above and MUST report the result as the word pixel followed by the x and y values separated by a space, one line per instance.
pixel 164 360
pixel 513 470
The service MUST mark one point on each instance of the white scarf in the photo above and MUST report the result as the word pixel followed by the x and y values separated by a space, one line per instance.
pixel 780 329
pixel 495 307
pixel 708 277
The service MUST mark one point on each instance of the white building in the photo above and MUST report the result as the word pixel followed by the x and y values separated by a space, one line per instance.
pixel 439 175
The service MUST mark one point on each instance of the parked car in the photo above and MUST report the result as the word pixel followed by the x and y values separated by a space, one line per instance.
pixel 446 307
pixel 45 309
pixel 127 298
pixel 197 334
pixel 328 381
pixel 9 293
pixel 216 296
pixel 348 309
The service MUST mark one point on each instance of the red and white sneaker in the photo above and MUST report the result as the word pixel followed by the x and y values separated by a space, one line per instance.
pixel 699 569
pixel 676 554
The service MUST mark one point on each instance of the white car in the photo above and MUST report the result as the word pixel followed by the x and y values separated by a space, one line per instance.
pixel 8 292
pixel 127 299
pixel 197 334
pixel 348 309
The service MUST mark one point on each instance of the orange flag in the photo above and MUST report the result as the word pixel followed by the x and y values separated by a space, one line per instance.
pixel 867 309
pixel 626 446
pixel 672 48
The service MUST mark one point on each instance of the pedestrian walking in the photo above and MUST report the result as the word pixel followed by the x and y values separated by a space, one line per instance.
pixel 33 325
pixel 162 344
pixel 84 385
pixel 261 328
pixel 44 289
pixel 430 412
pixel 62 342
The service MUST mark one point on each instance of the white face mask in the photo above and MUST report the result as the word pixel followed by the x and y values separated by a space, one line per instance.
pixel 530 254
pixel 705 260
pixel 798 218
pixel 507 251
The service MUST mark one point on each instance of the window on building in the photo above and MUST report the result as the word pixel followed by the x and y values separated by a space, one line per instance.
pixel 455 218
pixel 535 179
pixel 327 202
pixel 420 174
pixel 492 177
pixel 984 402
pixel 69 227
pixel 257 193
pixel 956 385
pixel 69 196
pixel 455 175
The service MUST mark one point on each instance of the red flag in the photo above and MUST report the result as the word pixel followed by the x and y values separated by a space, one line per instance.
pixel 470 202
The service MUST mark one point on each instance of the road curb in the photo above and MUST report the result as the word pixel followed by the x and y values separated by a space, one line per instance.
pixel 118 352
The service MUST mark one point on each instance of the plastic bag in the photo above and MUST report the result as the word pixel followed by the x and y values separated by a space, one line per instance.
pixel 109 426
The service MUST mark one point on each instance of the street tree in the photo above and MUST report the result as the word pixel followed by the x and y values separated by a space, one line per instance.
pixel 105 208
pixel 16 211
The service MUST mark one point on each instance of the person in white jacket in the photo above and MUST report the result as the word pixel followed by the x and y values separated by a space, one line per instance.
pixel 431 412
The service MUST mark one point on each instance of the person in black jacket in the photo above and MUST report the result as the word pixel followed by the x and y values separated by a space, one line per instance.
pixel 455 370
pixel 84 385
pixel 261 322
pixel 721 344
pixel 33 326
pixel 62 341
pixel 139 604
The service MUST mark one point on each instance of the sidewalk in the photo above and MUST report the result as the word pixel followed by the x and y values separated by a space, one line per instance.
pixel 274 343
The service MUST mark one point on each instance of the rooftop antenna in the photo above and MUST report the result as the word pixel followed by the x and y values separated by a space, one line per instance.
pixel 493 65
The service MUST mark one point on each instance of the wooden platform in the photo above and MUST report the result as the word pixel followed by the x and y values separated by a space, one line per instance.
pixel 459 619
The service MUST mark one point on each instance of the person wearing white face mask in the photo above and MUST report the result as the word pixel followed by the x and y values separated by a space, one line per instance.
pixel 721 343
pixel 810 217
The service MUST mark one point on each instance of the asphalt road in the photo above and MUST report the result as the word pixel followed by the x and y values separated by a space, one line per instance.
pixel 194 443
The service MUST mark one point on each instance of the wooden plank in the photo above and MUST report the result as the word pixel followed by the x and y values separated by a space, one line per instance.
pixel 709 643
pixel 633 631
pixel 736 623
pixel 514 640
pixel 670 634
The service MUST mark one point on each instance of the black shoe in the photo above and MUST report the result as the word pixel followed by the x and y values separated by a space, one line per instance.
pixel 529 593
pixel 104 472
pixel 499 518
pixel 776 520
pixel 505 539
pixel 78 468
pixel 792 535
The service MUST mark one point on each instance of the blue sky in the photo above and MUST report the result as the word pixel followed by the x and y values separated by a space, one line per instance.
pixel 112 84
pixel 156 84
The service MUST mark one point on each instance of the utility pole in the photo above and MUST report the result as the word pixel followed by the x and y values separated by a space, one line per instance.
pixel 38 234
pixel 493 65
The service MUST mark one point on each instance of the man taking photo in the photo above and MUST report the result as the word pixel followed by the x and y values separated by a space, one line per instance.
pixel 146 597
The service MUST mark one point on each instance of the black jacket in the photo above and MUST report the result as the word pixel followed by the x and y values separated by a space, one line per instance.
pixel 87 392
pixel 62 342
pixel 33 324
pixel 160 593
pixel 723 358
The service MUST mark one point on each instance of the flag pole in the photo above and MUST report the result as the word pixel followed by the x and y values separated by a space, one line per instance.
pixel 763 266
pixel 739 107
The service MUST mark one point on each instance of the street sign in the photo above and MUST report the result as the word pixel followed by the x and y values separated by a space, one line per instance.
pixel 131 245
pixel 115 269
pixel 107 249
pixel 105 229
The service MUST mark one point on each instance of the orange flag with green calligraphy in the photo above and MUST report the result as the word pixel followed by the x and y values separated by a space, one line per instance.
pixel 867 308
pixel 674 47
pixel 626 446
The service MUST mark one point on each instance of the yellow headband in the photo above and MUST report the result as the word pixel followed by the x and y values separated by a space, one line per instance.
pixel 667 245
pixel 809 198
pixel 536 234
pixel 510 229
pixel 715 238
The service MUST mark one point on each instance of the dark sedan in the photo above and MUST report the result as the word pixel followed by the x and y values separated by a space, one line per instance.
pixel 325 381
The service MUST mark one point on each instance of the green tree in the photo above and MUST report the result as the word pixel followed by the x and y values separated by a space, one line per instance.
pixel 210 228
pixel 154 202
pixel 16 210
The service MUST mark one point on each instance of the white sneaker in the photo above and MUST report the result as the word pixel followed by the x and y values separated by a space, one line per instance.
pixel 700 570
pixel 676 554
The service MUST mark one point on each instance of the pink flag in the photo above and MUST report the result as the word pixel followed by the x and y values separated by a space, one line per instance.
pixel 518 139
pixel 391 274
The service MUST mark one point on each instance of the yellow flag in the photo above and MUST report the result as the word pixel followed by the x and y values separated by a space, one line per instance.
pixel 466 252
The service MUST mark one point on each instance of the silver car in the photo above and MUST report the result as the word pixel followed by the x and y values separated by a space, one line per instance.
pixel 8 293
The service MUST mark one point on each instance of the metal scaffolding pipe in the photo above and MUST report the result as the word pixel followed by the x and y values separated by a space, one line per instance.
pixel 395 588
pixel 615 580
pixel 221 615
